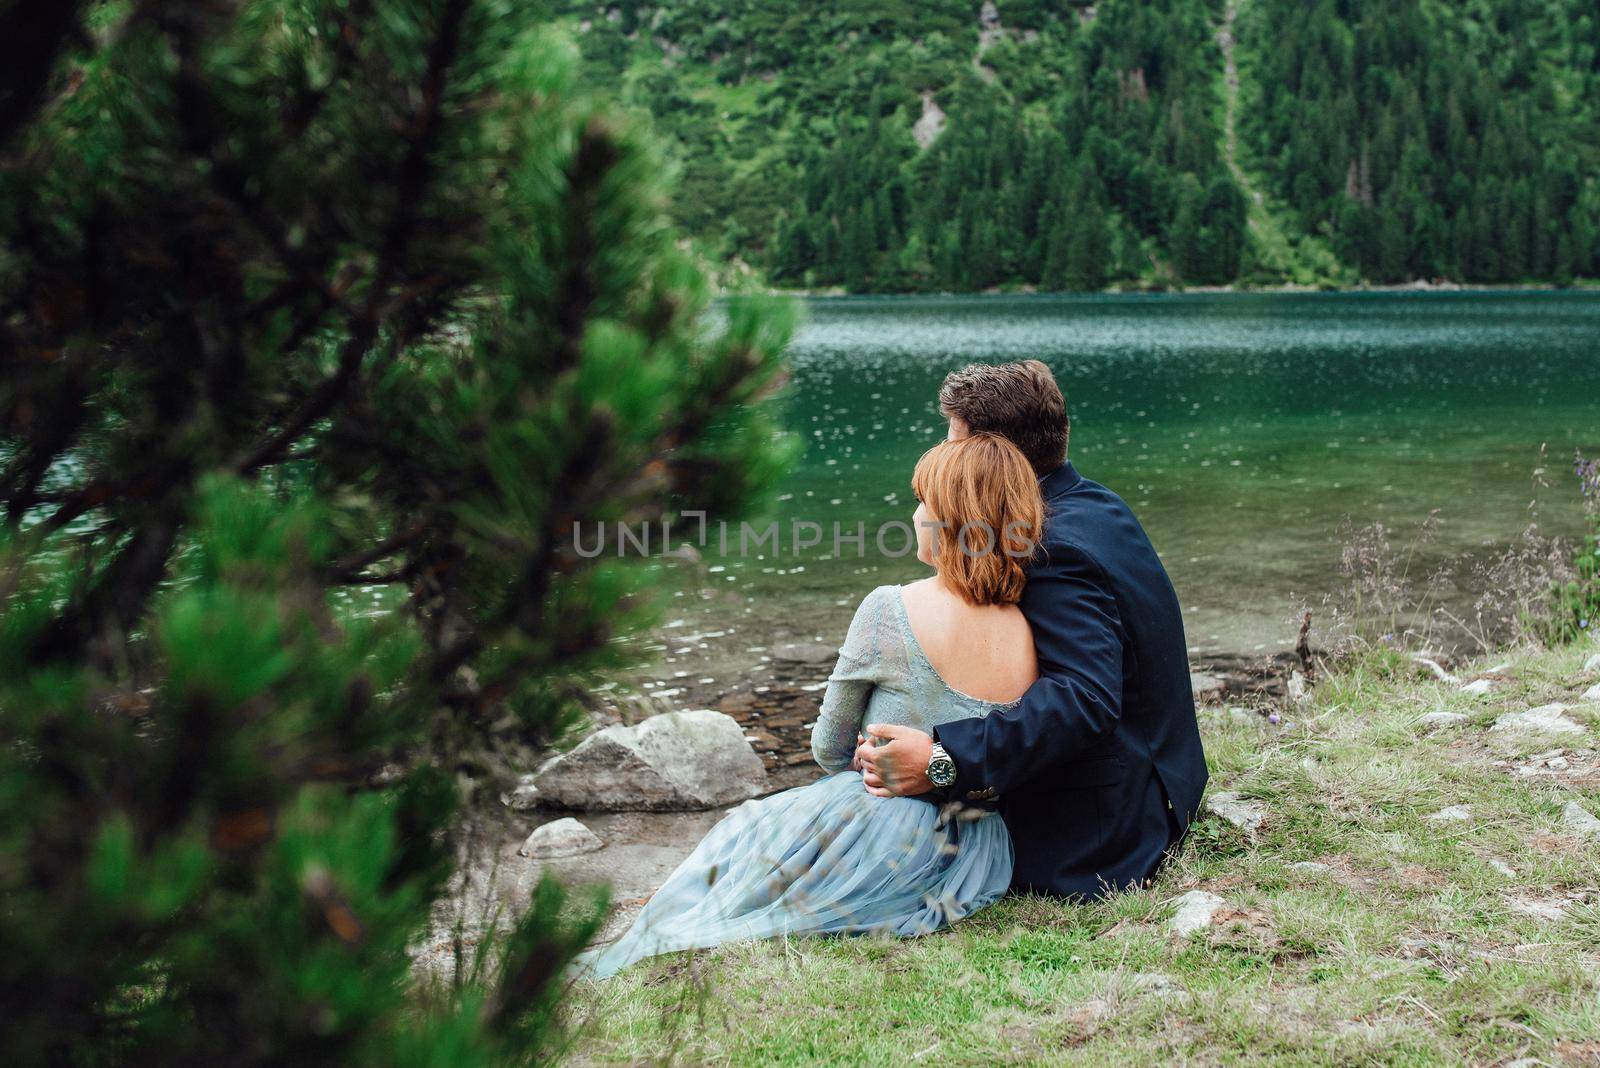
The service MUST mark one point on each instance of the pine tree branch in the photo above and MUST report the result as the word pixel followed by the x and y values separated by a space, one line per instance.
pixel 346 570
pixel 302 111
pixel 118 599
pixel 32 36
pixel 365 326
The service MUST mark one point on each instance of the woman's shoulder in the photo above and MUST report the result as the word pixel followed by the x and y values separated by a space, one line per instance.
pixel 880 597
pixel 877 611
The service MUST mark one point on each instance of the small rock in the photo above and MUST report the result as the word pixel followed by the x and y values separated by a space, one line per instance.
pixel 814 653
pixel 1503 868
pixel 1312 866
pixel 388 775
pixel 1544 909
pixel 1546 719
pixel 764 740
pixel 523 796
pixel 1498 668
pixel 1574 817
pixel 1453 814
pixel 1437 669
pixel 1593 663
pixel 1206 687
pixel 1592 694
pixel 1556 763
pixel 1195 911
pixel 1441 719
pixel 1155 983
pixel 1246 815
pixel 1479 687
pixel 561 838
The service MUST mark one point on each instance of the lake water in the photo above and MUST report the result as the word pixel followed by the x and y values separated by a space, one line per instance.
pixel 1244 429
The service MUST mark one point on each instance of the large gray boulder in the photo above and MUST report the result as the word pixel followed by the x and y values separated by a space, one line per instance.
pixel 674 761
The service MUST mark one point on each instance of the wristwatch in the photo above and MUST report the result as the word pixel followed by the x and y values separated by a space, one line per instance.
pixel 941 769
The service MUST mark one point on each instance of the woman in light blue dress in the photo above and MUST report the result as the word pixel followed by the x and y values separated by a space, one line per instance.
pixel 832 858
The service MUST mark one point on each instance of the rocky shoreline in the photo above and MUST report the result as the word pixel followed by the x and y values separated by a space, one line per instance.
pixel 776 702
pixel 504 848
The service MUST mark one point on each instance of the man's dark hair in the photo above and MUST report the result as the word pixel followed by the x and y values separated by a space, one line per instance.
pixel 1019 401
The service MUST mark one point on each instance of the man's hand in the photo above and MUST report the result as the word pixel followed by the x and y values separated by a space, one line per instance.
pixel 898 768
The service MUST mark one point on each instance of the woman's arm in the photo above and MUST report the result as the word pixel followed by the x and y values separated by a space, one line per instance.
pixel 833 737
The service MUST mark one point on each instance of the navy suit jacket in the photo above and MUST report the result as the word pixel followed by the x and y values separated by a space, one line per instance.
pixel 1098 770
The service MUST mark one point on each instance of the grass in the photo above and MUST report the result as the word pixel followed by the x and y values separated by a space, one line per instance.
pixel 1408 949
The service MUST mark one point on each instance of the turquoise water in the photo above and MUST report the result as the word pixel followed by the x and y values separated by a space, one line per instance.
pixel 1243 428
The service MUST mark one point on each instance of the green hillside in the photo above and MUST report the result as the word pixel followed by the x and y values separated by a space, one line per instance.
pixel 952 145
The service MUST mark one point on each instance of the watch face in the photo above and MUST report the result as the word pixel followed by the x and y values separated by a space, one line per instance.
pixel 942 772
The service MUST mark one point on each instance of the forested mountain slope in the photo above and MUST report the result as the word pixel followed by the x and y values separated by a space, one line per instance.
pixel 892 145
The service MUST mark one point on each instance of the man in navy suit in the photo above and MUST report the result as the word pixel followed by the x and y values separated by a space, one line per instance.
pixel 1098 771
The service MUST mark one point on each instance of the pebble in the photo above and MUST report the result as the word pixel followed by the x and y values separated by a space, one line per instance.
pixel 1441 719
pixel 560 838
pixel 1195 912
pixel 763 740
pixel 1593 663
pixel 1592 694
pixel 1453 814
pixel 1503 868
pixel 1478 688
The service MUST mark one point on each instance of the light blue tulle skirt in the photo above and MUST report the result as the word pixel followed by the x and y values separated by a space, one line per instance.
pixel 828 858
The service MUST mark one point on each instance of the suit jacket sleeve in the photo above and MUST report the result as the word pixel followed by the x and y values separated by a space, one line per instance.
pixel 1078 638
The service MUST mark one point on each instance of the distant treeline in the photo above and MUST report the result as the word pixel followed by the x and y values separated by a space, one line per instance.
pixel 1075 146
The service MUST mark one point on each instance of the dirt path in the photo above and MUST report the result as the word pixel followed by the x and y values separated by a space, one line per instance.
pixel 1230 100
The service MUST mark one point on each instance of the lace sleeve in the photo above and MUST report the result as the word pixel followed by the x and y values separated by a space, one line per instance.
pixel 833 738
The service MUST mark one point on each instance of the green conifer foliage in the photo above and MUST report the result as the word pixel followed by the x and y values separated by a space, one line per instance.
pixel 298 298
pixel 1429 140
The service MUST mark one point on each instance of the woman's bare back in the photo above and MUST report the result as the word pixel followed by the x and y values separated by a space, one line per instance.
pixel 984 652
